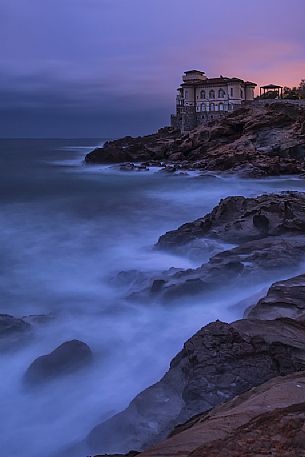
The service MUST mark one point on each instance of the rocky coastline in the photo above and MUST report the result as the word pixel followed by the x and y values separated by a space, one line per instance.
pixel 253 141
pixel 235 389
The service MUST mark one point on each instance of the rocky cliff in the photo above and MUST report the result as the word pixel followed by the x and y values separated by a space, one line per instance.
pixel 256 140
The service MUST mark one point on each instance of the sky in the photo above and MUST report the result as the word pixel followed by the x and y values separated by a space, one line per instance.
pixel 108 68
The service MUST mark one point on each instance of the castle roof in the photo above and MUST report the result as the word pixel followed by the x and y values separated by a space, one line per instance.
pixel 217 81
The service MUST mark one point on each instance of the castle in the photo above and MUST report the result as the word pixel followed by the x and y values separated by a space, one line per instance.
pixel 201 99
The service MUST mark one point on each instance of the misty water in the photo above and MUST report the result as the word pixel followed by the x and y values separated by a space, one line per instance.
pixel 66 230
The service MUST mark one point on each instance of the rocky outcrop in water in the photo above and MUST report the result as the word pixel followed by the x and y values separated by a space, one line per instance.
pixel 241 266
pixel 269 230
pixel 216 364
pixel 66 358
pixel 239 219
pixel 256 140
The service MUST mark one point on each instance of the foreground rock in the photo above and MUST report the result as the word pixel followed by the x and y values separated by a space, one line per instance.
pixel 284 299
pixel 216 364
pixel 257 140
pixel 266 420
pixel 280 432
pixel 66 358
pixel 240 219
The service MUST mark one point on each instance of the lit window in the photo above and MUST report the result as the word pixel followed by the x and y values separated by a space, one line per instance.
pixel 221 107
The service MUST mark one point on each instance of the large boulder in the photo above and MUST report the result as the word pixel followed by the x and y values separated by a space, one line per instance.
pixel 284 299
pixel 239 219
pixel 216 364
pixel 66 358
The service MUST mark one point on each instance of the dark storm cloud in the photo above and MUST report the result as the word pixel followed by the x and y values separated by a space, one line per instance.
pixel 108 67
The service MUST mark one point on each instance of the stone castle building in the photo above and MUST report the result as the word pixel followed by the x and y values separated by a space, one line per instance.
pixel 201 99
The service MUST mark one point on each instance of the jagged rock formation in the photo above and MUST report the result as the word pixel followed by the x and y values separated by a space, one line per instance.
pixel 275 226
pixel 223 361
pixel 239 219
pixel 238 427
pixel 256 140
pixel 216 364
pixel 66 358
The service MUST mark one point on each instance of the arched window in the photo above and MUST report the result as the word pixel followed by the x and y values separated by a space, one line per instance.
pixel 212 107
pixel 221 107
pixel 202 94
pixel 221 93
pixel 212 94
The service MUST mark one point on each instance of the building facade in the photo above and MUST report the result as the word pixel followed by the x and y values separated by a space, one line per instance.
pixel 201 99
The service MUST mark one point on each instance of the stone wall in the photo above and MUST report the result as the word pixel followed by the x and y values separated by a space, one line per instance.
pixel 267 101
pixel 187 118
